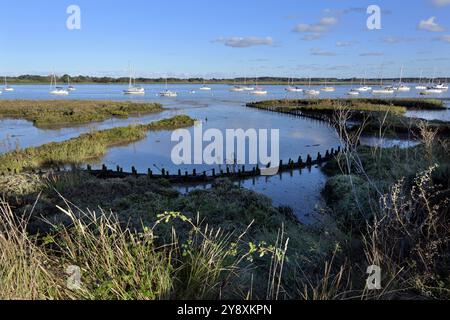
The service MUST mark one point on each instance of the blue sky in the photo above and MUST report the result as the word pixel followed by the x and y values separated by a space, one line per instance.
pixel 225 38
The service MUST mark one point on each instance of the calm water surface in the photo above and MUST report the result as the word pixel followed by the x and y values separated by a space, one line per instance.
pixel 219 109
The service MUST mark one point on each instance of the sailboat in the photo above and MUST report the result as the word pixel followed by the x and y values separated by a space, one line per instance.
pixel 7 88
pixel 70 87
pixel 401 87
pixel 432 88
pixel 204 87
pixel 237 89
pixel 168 93
pixel 420 86
pixel 442 85
pixel 247 88
pixel 292 88
pixel 132 87
pixel 327 88
pixel 259 91
pixel 353 92
pixel 55 90
pixel 364 87
pixel 385 89
pixel 311 92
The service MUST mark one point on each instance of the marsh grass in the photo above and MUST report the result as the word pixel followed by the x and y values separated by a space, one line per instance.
pixel 117 262
pixel 47 113
pixel 397 204
pixel 86 146
pixel 397 106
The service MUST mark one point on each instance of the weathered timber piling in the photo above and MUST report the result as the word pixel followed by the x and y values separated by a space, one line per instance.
pixel 237 173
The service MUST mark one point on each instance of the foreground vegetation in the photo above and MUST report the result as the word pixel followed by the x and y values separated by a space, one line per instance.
pixel 225 242
pixel 45 113
pixel 139 238
pixel 86 146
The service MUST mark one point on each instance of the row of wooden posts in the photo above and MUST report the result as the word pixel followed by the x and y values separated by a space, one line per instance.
pixel 195 176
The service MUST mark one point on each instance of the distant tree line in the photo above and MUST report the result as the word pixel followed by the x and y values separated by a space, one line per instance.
pixel 261 80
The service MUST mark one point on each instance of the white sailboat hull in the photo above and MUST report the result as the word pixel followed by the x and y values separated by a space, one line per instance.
pixel 364 89
pixel 311 92
pixel 328 89
pixel 294 89
pixel 259 92
pixel 59 92
pixel 383 91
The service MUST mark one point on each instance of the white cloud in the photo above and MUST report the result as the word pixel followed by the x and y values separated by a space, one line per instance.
pixel 440 3
pixel 315 30
pixel 430 25
pixel 319 52
pixel 328 21
pixel 344 43
pixel 445 38
pixel 245 42
pixel 312 36
pixel 371 54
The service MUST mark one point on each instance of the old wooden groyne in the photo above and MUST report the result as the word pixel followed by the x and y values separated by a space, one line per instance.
pixel 192 177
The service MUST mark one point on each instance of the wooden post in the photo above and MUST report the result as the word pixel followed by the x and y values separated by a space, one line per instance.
pixel 194 172
pixel 149 172
pixel 117 168
pixel 89 168
pixel 214 172
pixel 163 172
pixel 300 161
pixel 319 157
pixel 104 168
pixel 308 160
pixel 179 172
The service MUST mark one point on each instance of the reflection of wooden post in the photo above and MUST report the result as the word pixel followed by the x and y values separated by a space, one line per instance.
pixel 243 169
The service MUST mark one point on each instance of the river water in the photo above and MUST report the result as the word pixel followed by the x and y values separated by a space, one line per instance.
pixel 219 109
